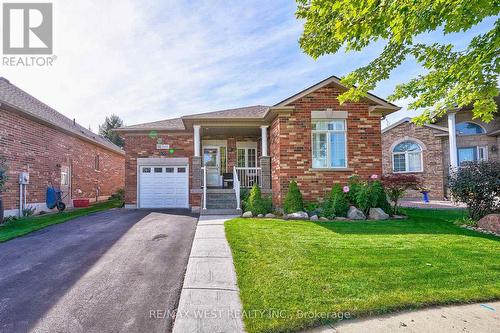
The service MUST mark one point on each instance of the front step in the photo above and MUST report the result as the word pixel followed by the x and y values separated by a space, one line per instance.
pixel 209 211
pixel 224 200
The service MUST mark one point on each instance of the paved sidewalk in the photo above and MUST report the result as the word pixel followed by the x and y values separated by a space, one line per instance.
pixel 471 318
pixel 210 297
pixel 433 204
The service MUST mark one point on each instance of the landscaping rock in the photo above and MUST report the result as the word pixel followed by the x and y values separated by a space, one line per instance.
pixel 399 217
pixel 270 216
pixel 377 214
pixel 298 216
pixel 314 218
pixel 340 218
pixel 490 222
pixel 355 214
pixel 247 214
pixel 324 219
pixel 260 215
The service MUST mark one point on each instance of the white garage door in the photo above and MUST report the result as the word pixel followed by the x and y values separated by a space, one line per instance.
pixel 163 187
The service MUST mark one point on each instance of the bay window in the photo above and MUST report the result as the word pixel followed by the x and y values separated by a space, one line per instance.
pixel 329 144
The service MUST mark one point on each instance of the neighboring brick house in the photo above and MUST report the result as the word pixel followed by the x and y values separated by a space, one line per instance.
pixel 54 150
pixel 312 139
pixel 425 150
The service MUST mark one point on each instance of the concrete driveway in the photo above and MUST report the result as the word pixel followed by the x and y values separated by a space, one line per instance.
pixel 115 271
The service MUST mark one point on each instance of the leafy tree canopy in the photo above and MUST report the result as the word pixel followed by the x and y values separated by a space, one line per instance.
pixel 452 79
pixel 106 129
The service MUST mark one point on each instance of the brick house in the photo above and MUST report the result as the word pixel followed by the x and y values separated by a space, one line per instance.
pixel 425 150
pixel 308 137
pixel 53 150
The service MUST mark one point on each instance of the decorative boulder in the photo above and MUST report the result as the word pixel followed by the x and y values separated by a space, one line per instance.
pixel 490 222
pixel 247 214
pixel 298 216
pixel 340 218
pixel 324 219
pixel 260 215
pixel 314 218
pixel 270 216
pixel 355 214
pixel 377 214
pixel 399 217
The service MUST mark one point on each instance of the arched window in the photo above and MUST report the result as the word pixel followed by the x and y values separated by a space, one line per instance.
pixel 407 157
pixel 468 128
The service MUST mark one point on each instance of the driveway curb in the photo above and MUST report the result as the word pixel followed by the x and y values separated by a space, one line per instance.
pixel 209 299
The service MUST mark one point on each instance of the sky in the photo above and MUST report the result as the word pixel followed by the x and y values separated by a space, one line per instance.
pixel 160 59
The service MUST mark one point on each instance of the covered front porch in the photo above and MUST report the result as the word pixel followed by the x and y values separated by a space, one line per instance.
pixel 231 158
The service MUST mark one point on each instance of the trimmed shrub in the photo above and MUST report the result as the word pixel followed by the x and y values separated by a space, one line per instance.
pixel 119 194
pixel 477 184
pixel 355 185
pixel 293 199
pixel 380 197
pixel 255 203
pixel 339 203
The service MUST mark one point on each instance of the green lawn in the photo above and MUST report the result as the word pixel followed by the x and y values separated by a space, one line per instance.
pixel 292 268
pixel 25 226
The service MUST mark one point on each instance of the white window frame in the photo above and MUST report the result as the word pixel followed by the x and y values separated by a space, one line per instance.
pixel 407 160
pixel 485 153
pixel 328 152
pixel 478 154
pixel 247 146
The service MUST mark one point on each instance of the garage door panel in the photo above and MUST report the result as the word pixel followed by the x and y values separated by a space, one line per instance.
pixel 163 187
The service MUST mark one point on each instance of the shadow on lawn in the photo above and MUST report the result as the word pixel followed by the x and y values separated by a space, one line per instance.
pixel 423 224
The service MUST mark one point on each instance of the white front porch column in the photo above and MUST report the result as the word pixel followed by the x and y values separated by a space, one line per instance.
pixel 263 130
pixel 197 140
pixel 452 135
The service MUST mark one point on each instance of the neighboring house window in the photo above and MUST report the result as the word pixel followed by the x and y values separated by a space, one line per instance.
pixel 468 154
pixel 468 128
pixel 407 157
pixel 329 144
pixel 96 162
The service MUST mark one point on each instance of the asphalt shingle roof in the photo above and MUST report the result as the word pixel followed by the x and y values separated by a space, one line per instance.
pixel 19 99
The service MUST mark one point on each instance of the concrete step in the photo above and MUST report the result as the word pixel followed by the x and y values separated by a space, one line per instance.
pixel 221 206
pixel 220 211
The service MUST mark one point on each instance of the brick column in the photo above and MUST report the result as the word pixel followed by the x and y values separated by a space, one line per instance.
pixel 265 164
pixel 196 172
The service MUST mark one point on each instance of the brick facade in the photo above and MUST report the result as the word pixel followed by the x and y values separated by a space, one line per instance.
pixel 143 146
pixel 32 147
pixel 433 174
pixel 291 151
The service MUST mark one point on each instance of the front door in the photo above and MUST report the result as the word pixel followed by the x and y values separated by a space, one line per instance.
pixel 211 161
pixel 66 184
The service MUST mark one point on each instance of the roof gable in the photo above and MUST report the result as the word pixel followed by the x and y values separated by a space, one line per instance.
pixel 407 120
pixel 381 103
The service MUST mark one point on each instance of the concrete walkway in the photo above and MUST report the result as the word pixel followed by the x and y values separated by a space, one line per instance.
pixel 471 318
pixel 210 297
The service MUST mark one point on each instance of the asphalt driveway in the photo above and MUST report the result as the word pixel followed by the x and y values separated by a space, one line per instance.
pixel 114 271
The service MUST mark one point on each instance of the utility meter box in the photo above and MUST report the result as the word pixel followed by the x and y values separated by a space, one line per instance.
pixel 24 178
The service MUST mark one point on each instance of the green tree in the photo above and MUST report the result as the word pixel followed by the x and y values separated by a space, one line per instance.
pixel 255 203
pixel 453 78
pixel 106 129
pixel 293 199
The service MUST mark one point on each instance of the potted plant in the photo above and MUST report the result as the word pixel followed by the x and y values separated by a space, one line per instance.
pixel 80 202
pixel 3 181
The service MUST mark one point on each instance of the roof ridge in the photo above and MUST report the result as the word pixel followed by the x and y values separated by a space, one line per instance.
pixel 49 114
